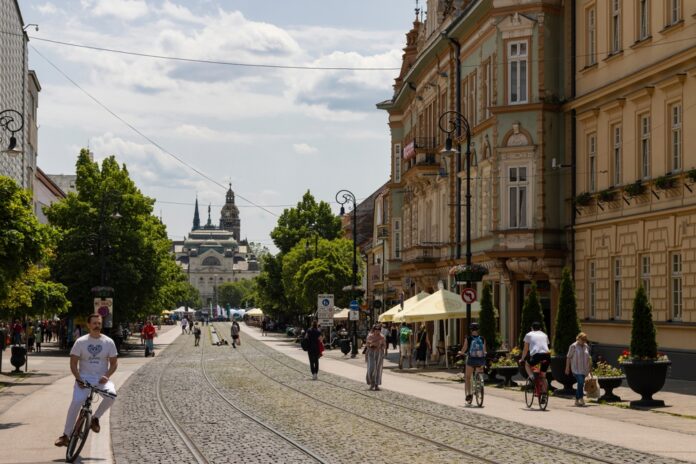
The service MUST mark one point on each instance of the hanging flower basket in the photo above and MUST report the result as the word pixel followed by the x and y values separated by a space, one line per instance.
pixel 463 273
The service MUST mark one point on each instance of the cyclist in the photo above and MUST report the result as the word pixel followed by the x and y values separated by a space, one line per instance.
pixel 96 356
pixel 536 350
pixel 475 349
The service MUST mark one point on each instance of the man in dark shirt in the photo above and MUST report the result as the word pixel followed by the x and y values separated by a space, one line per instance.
pixel 314 337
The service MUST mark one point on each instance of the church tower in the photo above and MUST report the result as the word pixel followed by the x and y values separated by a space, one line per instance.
pixel 196 217
pixel 229 216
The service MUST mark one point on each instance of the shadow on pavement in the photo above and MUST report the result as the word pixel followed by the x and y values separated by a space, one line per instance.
pixel 10 425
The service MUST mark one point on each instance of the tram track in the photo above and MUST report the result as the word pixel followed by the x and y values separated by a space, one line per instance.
pixel 585 456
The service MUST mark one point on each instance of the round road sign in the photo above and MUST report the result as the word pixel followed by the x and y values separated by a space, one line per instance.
pixel 468 295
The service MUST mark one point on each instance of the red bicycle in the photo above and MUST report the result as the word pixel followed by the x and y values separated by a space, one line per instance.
pixel 537 388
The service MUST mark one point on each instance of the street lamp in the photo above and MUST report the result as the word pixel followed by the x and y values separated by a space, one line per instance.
pixel 12 122
pixel 343 197
pixel 455 122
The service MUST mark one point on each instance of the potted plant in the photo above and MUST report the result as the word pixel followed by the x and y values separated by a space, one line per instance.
pixel 635 189
pixel 665 182
pixel 463 273
pixel 606 196
pixel 566 329
pixel 645 368
pixel 531 312
pixel 583 199
pixel 609 378
pixel 691 175
pixel 507 366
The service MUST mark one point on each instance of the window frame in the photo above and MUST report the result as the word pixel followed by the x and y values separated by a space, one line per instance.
pixel 676 285
pixel 671 7
pixel 643 19
pixel 592 289
pixel 397 163
pixel 487 81
pixel 591 35
pixel 675 150
pixel 615 39
pixel 522 217
pixel 644 146
pixel 591 148
pixel 617 287
pixel 397 234
pixel 616 137
pixel 517 60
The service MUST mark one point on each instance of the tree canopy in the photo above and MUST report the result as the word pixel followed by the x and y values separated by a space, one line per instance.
pixel 33 294
pixel 237 294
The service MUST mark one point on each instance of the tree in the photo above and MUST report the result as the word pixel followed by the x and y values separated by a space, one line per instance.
pixel 269 288
pixel 108 235
pixel 306 219
pixel 567 323
pixel 23 240
pixel 33 294
pixel 531 312
pixel 237 294
pixel 487 322
pixel 643 335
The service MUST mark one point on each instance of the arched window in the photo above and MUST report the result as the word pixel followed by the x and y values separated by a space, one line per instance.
pixel 211 261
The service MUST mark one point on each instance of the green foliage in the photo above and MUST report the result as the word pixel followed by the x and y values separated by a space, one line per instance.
pixel 34 294
pixel 308 218
pixel 635 189
pixel 108 224
pixel 531 312
pixel 567 324
pixel 665 182
pixel 643 336
pixel 23 240
pixel 239 294
pixel 583 199
pixel 487 322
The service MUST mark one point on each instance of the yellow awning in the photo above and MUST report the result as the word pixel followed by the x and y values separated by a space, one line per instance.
pixel 341 314
pixel 388 316
pixel 256 312
pixel 442 304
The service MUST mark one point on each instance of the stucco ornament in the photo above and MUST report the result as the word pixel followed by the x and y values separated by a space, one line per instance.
pixel 517 139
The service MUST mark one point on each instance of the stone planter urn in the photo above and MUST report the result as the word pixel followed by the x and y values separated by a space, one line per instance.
pixel 646 378
pixel 608 384
pixel 19 357
pixel 507 372
pixel 558 364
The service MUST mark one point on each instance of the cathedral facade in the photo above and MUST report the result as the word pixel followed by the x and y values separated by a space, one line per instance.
pixel 214 255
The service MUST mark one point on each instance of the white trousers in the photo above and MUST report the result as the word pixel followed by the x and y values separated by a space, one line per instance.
pixel 79 397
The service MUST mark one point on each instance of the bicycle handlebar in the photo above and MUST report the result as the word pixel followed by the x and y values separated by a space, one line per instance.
pixel 95 389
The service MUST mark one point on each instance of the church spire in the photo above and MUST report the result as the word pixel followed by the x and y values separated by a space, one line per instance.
pixel 196 217
pixel 209 225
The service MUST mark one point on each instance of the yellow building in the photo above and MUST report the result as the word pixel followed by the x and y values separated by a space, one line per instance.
pixel 635 93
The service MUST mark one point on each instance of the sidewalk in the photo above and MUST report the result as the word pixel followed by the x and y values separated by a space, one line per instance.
pixel 666 435
pixel 34 405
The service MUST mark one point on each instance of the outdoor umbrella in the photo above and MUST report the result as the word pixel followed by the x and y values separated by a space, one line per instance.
pixel 388 316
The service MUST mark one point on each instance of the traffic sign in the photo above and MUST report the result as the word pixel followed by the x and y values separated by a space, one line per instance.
pixel 468 295
pixel 104 307
pixel 354 315
pixel 325 309
pixel 354 305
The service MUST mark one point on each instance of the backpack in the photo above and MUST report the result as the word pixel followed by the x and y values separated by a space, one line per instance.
pixel 305 344
pixel 476 347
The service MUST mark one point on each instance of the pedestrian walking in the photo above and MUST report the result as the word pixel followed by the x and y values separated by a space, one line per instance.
pixel 38 337
pixel 384 330
pixel 422 347
pixel 17 330
pixel 375 351
pixel 314 337
pixel 264 326
pixel 184 325
pixel 148 334
pixel 30 336
pixel 405 346
pixel 234 331
pixel 394 335
pixel 579 363
pixel 196 334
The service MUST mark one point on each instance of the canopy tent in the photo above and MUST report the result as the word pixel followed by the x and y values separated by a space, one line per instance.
pixel 441 305
pixel 256 312
pixel 167 312
pixel 341 315
pixel 182 309
pixel 388 316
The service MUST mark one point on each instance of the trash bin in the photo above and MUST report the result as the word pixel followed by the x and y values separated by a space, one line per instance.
pixel 19 357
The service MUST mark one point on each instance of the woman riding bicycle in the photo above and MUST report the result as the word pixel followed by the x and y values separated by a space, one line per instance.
pixel 475 349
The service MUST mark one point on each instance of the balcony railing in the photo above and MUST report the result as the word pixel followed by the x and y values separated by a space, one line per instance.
pixel 421 253
pixel 425 144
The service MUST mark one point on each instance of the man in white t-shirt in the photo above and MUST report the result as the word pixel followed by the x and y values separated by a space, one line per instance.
pixel 93 358
pixel 536 345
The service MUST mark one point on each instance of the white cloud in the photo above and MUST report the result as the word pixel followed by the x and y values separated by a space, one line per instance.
pixel 304 149
pixel 179 13
pixel 47 8
pixel 123 9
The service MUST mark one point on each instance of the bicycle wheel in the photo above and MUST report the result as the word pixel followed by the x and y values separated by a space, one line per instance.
pixel 529 393
pixel 478 389
pixel 544 397
pixel 78 437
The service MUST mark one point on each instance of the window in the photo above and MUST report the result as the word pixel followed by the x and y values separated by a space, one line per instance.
pixel 591 36
pixel 517 195
pixel 211 261
pixel 397 162
pixel 615 37
pixel 592 162
pixel 487 93
pixel 645 274
pixel 472 100
pixel 616 290
pixel 676 286
pixel 644 146
pixel 517 72
pixel 616 154
pixel 643 19
pixel 674 13
pixel 397 238
pixel 592 289
pixel 675 143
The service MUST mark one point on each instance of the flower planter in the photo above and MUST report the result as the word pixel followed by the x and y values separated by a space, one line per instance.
pixel 608 384
pixel 507 372
pixel 646 378
pixel 19 357
pixel 469 276
pixel 558 364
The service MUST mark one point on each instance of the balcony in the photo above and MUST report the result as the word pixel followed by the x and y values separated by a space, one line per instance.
pixel 382 231
pixel 421 254
pixel 425 144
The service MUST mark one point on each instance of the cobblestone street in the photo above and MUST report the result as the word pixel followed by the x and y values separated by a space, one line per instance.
pixel 331 420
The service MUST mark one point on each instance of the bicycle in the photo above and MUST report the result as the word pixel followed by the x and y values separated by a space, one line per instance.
pixel 537 388
pixel 477 378
pixel 78 437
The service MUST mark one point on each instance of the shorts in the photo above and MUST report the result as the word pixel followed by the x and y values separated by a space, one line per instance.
pixel 475 362
pixel 235 336
pixel 543 358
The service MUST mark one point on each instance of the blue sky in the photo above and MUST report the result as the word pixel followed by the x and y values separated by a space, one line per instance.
pixel 272 133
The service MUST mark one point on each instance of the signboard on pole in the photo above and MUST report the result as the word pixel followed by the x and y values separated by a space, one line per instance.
pixel 354 313
pixel 105 307
pixel 469 295
pixel 325 309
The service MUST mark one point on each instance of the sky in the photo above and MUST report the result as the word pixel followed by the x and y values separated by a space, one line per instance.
pixel 272 133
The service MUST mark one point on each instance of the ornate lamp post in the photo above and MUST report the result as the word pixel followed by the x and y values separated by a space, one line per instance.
pixel 11 121
pixel 343 197
pixel 455 122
